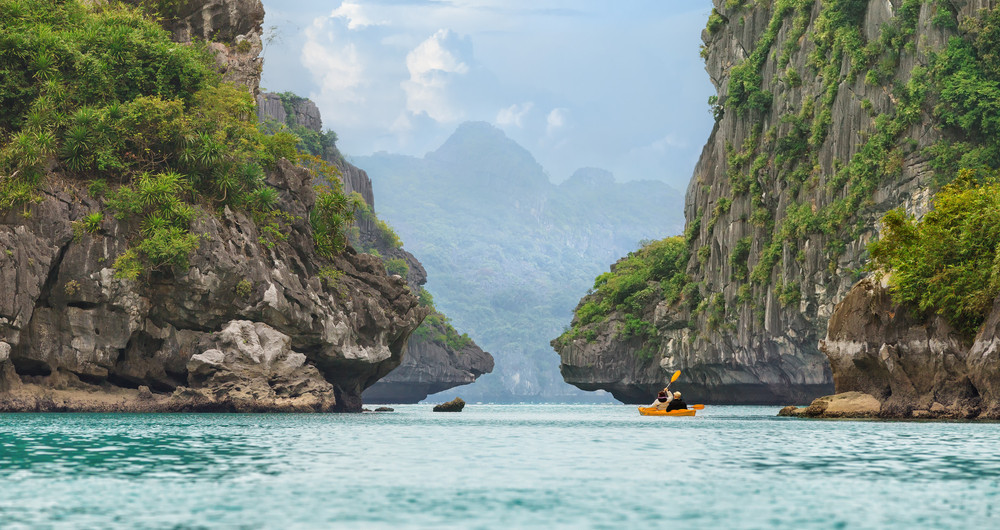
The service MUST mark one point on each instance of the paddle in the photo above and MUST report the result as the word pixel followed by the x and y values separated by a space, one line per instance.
pixel 698 407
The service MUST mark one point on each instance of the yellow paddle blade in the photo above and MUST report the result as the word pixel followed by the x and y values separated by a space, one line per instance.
pixel 698 407
pixel 675 376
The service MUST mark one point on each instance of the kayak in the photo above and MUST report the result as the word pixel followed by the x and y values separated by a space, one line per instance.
pixel 652 411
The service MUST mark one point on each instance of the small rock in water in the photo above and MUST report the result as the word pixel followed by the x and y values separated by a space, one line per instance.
pixel 455 405
pixel 385 409
pixel 790 410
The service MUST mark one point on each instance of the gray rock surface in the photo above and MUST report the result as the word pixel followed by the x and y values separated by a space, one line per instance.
pixel 250 365
pixel 429 367
pixel 765 350
pixel 913 365
pixel 69 321
pixel 232 29
pixel 304 111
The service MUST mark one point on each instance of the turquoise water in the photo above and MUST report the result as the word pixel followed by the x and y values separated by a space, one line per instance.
pixel 599 466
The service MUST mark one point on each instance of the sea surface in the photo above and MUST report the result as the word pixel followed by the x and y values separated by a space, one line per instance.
pixel 495 466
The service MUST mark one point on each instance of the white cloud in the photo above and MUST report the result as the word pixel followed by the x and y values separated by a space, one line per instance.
pixel 336 66
pixel 514 114
pixel 386 76
pixel 433 65
pixel 556 120
pixel 339 71
pixel 355 16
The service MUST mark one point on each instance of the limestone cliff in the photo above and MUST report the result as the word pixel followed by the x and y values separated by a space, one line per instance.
pixel 251 321
pixel 431 363
pixel 823 125
pixel 68 322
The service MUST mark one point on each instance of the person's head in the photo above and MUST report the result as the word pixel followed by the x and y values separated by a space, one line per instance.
pixel 663 394
pixel 677 395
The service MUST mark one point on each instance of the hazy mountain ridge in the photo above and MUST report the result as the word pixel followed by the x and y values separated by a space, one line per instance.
pixel 508 252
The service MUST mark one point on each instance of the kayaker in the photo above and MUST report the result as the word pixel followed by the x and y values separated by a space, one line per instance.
pixel 662 400
pixel 677 403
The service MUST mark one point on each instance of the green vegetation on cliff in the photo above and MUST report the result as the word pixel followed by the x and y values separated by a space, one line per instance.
pixel 789 195
pixel 315 143
pixel 101 94
pixel 789 150
pixel 636 283
pixel 436 327
pixel 967 88
pixel 948 262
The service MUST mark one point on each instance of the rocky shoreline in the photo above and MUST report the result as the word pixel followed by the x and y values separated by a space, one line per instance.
pixel 243 323
pixel 889 361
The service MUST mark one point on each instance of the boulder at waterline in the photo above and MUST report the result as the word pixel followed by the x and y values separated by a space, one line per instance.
pixel 455 405
pixel 845 405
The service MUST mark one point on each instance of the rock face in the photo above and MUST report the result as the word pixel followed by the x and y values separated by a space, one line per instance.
pixel 233 29
pixel 766 281
pixel 247 326
pixel 250 365
pixel 429 365
pixel 304 112
pixel 67 320
pixel 912 366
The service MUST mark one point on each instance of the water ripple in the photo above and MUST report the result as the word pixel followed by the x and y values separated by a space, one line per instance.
pixel 594 466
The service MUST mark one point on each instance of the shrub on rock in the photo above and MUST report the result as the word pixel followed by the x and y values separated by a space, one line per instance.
pixel 455 405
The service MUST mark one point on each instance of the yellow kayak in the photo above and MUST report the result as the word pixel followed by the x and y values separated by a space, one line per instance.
pixel 652 411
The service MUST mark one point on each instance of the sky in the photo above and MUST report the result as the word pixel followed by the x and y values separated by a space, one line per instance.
pixel 579 83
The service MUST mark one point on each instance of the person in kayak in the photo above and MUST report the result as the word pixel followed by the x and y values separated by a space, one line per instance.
pixel 677 403
pixel 662 400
